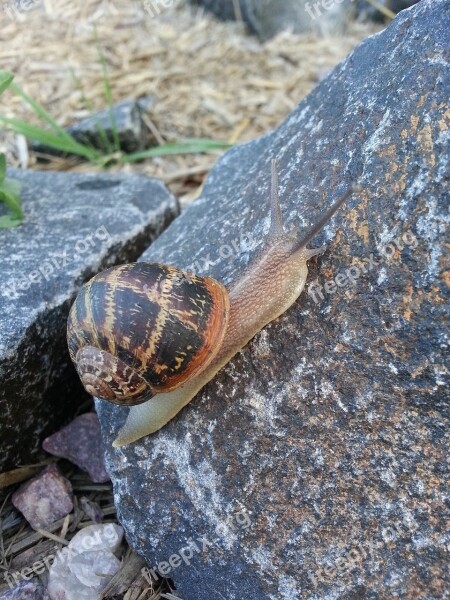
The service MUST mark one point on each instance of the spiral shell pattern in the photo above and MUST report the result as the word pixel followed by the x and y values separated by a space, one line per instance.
pixel 144 328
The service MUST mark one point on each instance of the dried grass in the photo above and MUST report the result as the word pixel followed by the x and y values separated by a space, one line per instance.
pixel 211 79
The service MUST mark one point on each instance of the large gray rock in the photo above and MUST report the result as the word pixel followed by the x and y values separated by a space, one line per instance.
pixel 314 464
pixel 75 225
pixel 266 18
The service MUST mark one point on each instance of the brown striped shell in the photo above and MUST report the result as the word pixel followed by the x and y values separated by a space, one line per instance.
pixel 140 329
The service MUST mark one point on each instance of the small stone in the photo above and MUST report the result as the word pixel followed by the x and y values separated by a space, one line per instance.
pixel 82 569
pixel 81 443
pixel 124 117
pixel 45 498
pixel 26 590
pixel 92 509
pixel 97 537
pixel 99 130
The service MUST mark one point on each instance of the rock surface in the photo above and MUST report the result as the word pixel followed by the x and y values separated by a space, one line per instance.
pixel 329 432
pixel 81 443
pixel 75 225
pixel 45 498
pixel 268 17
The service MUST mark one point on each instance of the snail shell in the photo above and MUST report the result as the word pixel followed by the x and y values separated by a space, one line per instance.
pixel 141 329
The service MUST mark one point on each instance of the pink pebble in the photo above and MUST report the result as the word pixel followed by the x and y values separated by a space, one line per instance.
pixel 45 498
pixel 81 443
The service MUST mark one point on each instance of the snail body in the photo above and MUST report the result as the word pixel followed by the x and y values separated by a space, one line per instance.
pixel 152 336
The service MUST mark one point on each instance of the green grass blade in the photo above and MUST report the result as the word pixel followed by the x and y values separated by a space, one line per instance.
pixel 193 146
pixel 5 80
pixel 2 167
pixel 107 147
pixel 64 144
pixel 387 12
pixel 8 221
pixel 12 187
pixel 108 96
pixel 10 195
pixel 41 112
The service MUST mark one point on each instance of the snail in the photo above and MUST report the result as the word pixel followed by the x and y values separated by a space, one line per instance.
pixel 150 336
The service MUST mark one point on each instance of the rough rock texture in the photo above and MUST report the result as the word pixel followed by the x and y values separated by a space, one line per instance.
pixel 45 498
pixel 81 443
pixel 75 225
pixel 328 432
pixel 266 18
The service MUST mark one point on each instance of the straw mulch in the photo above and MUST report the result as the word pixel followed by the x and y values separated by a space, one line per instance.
pixel 211 80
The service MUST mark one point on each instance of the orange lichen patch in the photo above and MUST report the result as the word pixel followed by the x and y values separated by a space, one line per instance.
pixel 327 272
pixel 445 121
pixel 350 294
pixel 393 168
pixel 395 348
pixel 420 369
pixel 426 144
pixel 446 278
pixel 390 150
pixel 407 302
pixel 412 301
pixel 360 228
pixel 435 296
pixel 414 123
pixel 400 185
pixel 404 134
pixel 421 101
